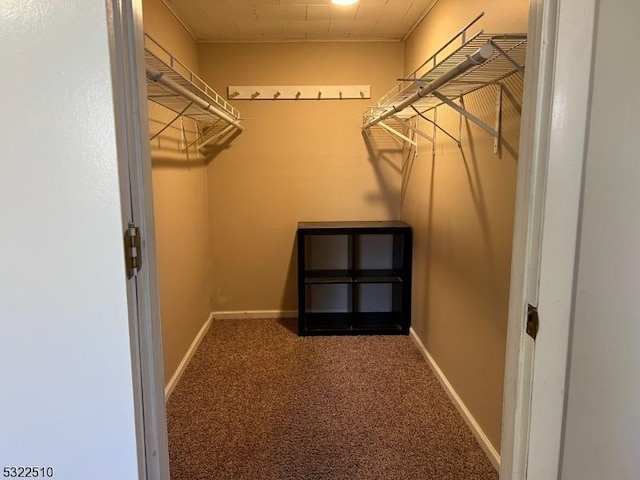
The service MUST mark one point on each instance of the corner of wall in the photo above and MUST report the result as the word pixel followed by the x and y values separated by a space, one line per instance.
pixel 489 449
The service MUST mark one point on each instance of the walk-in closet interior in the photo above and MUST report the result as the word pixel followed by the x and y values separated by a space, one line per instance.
pixel 233 179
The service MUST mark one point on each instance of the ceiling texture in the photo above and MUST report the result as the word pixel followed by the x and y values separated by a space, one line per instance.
pixel 297 20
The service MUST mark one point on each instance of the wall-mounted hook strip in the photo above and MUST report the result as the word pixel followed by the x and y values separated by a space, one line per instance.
pixel 299 92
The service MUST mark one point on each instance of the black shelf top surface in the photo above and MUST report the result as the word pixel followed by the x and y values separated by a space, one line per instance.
pixel 356 225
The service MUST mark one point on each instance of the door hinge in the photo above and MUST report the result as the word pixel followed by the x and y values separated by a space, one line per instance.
pixel 533 321
pixel 132 252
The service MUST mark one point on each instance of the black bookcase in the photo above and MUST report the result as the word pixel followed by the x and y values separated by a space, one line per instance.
pixel 354 278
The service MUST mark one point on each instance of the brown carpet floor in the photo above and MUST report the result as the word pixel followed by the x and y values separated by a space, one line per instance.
pixel 259 402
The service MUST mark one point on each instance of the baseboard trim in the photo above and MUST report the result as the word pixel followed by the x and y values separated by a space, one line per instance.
pixel 489 450
pixel 175 378
pixel 255 314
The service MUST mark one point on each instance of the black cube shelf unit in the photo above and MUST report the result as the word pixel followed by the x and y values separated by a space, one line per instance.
pixel 354 278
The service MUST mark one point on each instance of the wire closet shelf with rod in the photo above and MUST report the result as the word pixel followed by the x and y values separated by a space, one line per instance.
pixel 464 64
pixel 171 84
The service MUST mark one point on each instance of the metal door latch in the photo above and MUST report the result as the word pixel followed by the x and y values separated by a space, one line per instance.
pixel 533 321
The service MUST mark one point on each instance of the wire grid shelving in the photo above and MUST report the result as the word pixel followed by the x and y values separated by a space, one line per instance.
pixel 210 124
pixel 509 52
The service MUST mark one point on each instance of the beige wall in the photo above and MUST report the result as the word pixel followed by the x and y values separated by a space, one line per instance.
pixel 461 205
pixel 296 161
pixel 181 207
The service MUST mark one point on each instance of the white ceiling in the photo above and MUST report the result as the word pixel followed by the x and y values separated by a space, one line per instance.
pixel 298 20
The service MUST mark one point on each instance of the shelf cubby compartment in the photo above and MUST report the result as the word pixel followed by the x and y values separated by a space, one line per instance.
pixel 379 306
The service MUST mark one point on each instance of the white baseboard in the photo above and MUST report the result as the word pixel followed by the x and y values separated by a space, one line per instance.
pixel 255 314
pixel 175 378
pixel 489 450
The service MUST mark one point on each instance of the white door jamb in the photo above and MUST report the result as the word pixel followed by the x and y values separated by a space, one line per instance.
pixel 545 241
pixel 130 97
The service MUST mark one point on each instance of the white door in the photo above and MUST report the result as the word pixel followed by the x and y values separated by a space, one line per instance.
pixel 553 137
pixel 67 397
pixel 127 52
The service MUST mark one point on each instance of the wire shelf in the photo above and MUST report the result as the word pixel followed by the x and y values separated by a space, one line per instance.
pixel 508 57
pixel 164 64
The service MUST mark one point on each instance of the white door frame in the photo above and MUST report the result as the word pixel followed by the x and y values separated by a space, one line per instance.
pixel 549 184
pixel 525 255
pixel 126 38
pixel 552 154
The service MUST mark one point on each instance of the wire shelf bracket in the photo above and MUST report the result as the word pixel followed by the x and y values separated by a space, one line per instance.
pixel 480 60
pixel 174 86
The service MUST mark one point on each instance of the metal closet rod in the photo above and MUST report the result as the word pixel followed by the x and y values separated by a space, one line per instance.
pixel 156 76
pixel 481 55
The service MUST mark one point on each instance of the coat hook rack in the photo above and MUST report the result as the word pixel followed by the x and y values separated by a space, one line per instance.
pixel 299 92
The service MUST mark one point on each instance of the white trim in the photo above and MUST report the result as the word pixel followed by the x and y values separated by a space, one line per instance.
pixel 132 121
pixel 553 133
pixel 483 440
pixel 235 315
pixel 175 378
pixel 534 135
pixel 565 158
